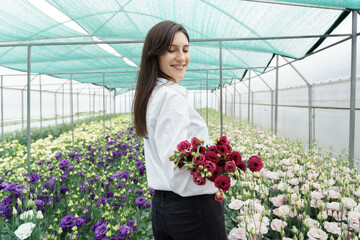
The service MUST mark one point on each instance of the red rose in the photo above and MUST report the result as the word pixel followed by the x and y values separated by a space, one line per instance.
pixel 193 170
pixel 230 166
pixel 180 164
pixel 222 149
pixel 222 182
pixel 183 146
pixel 218 171
pixel 202 150
pixel 212 156
pixel 234 156
pixel 223 140
pixel 198 180
pixel 254 164
pixel 242 166
pixel 195 142
pixel 210 166
pixel 229 148
pixel 219 196
pixel 199 160
pixel 212 148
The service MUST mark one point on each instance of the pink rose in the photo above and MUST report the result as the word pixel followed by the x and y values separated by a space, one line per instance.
pixel 222 182
pixel 184 146
pixel 230 166
pixel 195 142
pixel 199 160
pixel 333 194
pixel 219 196
pixel 276 224
pixel 198 180
pixel 237 233
pixel 210 166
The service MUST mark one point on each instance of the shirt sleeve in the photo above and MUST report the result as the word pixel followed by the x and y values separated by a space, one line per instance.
pixel 171 128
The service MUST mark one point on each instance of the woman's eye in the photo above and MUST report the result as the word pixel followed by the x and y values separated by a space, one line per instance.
pixel 186 50
pixel 170 50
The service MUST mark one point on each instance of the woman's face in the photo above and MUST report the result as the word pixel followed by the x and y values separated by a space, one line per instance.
pixel 175 60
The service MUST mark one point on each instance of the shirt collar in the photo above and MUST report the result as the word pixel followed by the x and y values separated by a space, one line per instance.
pixel 173 85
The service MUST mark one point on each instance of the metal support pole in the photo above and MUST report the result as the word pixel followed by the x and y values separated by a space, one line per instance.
pixel 22 109
pixel 56 110
pixel 89 101
pixel 352 90
pixel 71 111
pixel 225 101
pixel 77 105
pixel 94 98
pixel 2 114
pixel 272 110
pixel 114 102
pixel 28 135
pixel 252 108
pixel 104 102
pixel 276 93
pixel 62 108
pixel 249 98
pixel 240 107
pixel 207 97
pixel 309 101
pixel 40 106
pixel 110 105
pixel 221 89
pixel 234 97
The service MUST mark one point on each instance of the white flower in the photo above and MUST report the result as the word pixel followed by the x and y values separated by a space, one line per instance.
pixel 316 234
pixel 349 203
pixel 332 227
pixel 24 230
pixel 237 234
pixel 39 215
pixel 236 204
pixel 27 215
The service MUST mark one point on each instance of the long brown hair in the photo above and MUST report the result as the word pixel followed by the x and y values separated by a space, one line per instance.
pixel 157 42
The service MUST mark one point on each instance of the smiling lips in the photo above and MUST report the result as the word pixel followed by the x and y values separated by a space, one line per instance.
pixel 178 67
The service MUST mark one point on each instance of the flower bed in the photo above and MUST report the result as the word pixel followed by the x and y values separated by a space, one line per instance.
pixel 98 189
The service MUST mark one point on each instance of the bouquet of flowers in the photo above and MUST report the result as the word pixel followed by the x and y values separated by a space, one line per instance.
pixel 216 163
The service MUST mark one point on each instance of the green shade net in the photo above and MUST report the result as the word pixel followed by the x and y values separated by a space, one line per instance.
pixel 130 20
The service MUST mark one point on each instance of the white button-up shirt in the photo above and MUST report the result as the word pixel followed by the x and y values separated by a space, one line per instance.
pixel 169 120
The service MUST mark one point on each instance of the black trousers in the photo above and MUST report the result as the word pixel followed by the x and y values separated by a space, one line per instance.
pixel 187 218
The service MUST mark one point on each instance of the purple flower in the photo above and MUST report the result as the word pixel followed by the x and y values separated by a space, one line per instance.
pixel 59 155
pixel 70 168
pixel 80 222
pixel 56 199
pixel 63 190
pixel 103 201
pixel 100 231
pixel 64 164
pixel 39 203
pixel 101 164
pixel 124 147
pixel 100 222
pixel 124 232
pixel 34 178
pixel 68 222
pixel 151 192
pixel 121 185
pixel 126 175
pixel 109 194
pixel 140 201
pixel 141 170
pixel 51 168
pixel 135 180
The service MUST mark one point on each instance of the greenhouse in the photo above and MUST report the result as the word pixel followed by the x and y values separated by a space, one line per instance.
pixel 276 77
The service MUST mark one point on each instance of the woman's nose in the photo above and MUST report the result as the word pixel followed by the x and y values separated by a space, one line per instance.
pixel 180 56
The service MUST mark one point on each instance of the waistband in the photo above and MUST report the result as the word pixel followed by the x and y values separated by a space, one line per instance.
pixel 170 194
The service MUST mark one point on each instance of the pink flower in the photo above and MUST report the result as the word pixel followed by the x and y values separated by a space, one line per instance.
pixel 183 146
pixel 222 182
pixel 199 160
pixel 333 194
pixel 230 166
pixel 279 200
pixel 332 227
pixel 237 234
pixel 198 180
pixel 254 164
pixel 195 142
pixel 223 140
pixel 276 224
pixel 212 156
pixel 316 234
pixel 236 204
pixel 210 166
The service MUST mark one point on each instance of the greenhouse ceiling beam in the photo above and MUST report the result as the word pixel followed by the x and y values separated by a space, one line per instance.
pixel 312 53
pixel 194 40
pixel 300 5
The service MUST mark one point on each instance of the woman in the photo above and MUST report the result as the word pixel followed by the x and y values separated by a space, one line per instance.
pixel 180 208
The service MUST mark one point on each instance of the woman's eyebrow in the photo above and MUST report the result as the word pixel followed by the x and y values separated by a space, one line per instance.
pixel 173 45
